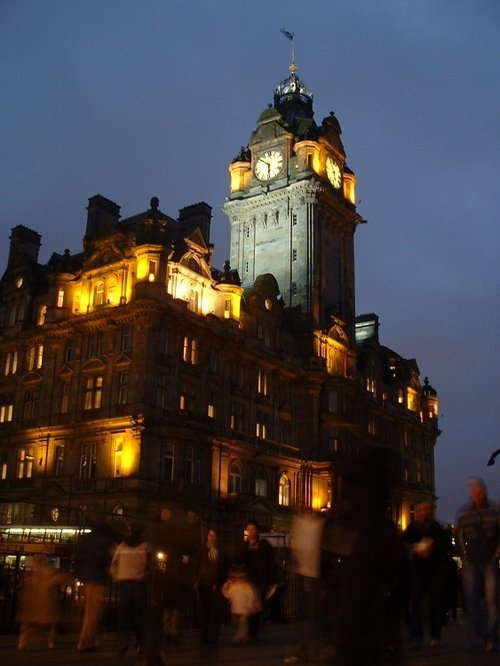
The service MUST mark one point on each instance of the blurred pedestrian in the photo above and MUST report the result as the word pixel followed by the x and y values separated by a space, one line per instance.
pixel 212 572
pixel 426 543
pixel 130 567
pixel 261 568
pixel 244 598
pixel 478 538
pixel 39 611
pixel 94 550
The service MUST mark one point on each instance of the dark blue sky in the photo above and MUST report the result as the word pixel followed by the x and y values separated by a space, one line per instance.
pixel 135 99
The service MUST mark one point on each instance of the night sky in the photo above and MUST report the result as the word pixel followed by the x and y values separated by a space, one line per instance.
pixel 155 98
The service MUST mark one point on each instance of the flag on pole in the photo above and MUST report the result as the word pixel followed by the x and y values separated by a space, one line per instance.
pixel 288 35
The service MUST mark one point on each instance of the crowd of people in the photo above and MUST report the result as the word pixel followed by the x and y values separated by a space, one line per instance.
pixel 352 568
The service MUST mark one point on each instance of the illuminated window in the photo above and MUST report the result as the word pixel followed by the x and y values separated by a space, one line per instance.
pixel 284 491
pixel 193 300
pixel 118 456
pixel 261 425
pixel 186 398
pixel 10 363
pixel 3 465
pixel 99 293
pixel 211 406
pixel 6 407
pixel 24 467
pixel 41 314
pixel 227 308
pixel 65 393
pixel 334 441
pixel 401 397
pixel 238 416
pixel 371 386
pixel 234 482
pixel 412 400
pixel 262 383
pixel 372 429
pixel 35 357
pixel 153 267
pixel 190 350
pixel 112 292
pixel 260 484
pixel 60 298
pixel 30 406
pixel 92 394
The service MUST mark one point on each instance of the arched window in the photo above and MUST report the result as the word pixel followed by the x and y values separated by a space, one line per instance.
pixel 112 291
pixel 284 491
pixel 260 483
pixel 99 293
pixel 234 481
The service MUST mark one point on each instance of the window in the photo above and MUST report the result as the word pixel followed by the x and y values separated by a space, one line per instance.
pixel 163 340
pixel 153 267
pixel 262 425
pixel 213 360
pixel 193 466
pixel 117 456
pixel 371 386
pixel 88 461
pixel 24 468
pixel 69 351
pixel 65 392
pixel 10 363
pixel 333 401
pixel 260 484
pixel 35 357
pixel 262 383
pixel 3 465
pixel 6 407
pixel 285 428
pixel 234 482
pixel 161 390
pixel 238 416
pixel 112 292
pixel 211 406
pixel 92 393
pixel 284 491
pixel 193 300
pixel 58 460
pixel 227 308
pixel 189 350
pixel 123 387
pixel 95 345
pixel 126 338
pixel 60 298
pixel 99 293
pixel 167 462
pixel 186 399
pixel 30 406
pixel 41 314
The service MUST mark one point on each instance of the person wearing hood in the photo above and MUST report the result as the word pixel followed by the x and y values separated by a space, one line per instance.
pixel 130 567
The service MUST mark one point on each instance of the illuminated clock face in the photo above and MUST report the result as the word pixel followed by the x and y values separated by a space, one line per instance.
pixel 269 164
pixel 333 173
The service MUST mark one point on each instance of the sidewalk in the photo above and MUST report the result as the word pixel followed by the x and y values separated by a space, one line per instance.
pixel 269 651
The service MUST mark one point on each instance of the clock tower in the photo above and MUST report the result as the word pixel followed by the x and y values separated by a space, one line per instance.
pixel 292 208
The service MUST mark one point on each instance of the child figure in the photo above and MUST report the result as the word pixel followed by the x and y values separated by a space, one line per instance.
pixel 244 600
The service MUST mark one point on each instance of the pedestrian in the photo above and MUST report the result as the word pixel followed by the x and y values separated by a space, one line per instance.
pixel 261 568
pixel 39 611
pixel 244 598
pixel 426 543
pixel 212 572
pixel 130 567
pixel 478 538
pixel 94 550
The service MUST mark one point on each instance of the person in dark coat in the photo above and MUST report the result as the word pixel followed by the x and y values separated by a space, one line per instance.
pixel 258 557
pixel 426 542
pixel 212 573
pixel 91 564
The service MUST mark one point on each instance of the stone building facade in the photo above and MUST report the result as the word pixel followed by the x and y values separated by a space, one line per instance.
pixel 137 376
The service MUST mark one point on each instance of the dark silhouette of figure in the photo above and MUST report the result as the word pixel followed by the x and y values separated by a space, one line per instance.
pixel 212 572
pixel 478 538
pixel 426 543
pixel 258 557
pixel 367 550
pixel 92 560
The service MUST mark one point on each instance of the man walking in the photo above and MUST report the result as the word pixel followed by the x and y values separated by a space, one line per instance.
pixel 478 537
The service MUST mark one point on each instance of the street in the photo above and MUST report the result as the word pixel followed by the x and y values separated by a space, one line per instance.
pixel 270 650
